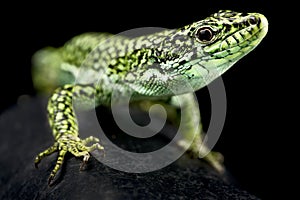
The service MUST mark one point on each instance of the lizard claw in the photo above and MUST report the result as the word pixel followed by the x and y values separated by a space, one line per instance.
pixel 50 180
pixel 83 166
pixel 84 162
pixel 72 144
pixel 36 165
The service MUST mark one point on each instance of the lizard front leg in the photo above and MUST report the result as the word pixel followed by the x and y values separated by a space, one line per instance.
pixel 189 122
pixel 62 120
pixel 190 116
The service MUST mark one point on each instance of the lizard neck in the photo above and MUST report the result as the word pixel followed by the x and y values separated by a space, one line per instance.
pixel 161 64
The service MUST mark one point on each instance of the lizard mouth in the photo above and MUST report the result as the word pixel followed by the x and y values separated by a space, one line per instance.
pixel 240 42
pixel 222 55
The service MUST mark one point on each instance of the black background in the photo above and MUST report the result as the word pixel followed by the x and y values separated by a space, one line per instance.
pixel 251 131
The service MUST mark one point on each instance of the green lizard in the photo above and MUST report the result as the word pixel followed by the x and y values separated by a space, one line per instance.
pixel 197 53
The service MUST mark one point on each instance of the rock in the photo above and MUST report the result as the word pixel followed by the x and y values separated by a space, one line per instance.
pixel 25 132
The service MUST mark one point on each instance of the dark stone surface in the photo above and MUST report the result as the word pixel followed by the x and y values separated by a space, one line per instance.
pixel 25 132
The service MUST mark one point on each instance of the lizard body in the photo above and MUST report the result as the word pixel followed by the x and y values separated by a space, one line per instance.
pixel 155 66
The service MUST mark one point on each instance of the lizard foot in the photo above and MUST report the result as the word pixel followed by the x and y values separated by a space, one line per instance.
pixel 72 144
pixel 197 150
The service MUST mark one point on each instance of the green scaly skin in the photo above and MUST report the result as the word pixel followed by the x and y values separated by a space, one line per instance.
pixel 150 67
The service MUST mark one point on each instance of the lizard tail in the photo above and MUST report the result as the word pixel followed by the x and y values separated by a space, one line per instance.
pixel 47 73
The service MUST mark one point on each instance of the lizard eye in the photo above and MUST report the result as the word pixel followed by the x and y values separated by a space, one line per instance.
pixel 252 20
pixel 204 34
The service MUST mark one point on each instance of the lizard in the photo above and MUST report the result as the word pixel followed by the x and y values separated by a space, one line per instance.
pixel 150 67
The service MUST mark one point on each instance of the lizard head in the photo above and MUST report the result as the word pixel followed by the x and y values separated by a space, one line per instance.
pixel 225 33
pixel 218 42
pixel 187 59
